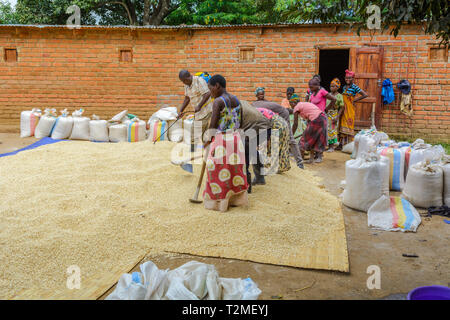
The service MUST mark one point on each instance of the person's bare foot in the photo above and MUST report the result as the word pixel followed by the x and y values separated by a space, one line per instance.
pixel 310 160
pixel 318 160
pixel 331 149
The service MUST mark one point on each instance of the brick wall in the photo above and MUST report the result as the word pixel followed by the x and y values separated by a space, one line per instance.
pixel 64 68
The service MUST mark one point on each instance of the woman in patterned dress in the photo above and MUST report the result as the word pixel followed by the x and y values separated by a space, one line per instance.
pixel 347 121
pixel 277 161
pixel 333 114
pixel 226 183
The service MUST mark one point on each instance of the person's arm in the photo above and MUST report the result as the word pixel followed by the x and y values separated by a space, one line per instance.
pixel 295 125
pixel 217 107
pixel 183 106
pixel 332 98
pixel 205 98
pixel 363 96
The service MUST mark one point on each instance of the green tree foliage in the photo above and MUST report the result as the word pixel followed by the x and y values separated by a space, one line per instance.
pixel 394 13
pixel 220 12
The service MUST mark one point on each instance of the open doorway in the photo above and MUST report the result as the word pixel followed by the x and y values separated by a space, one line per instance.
pixel 332 64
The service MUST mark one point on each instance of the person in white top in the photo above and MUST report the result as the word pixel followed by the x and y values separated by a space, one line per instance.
pixel 197 95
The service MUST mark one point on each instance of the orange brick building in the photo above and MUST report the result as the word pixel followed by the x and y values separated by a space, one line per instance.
pixel 108 69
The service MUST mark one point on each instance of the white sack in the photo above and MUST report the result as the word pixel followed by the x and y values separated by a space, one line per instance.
pixel 192 281
pixel 445 164
pixel 421 151
pixel 118 132
pixel 176 130
pixel 28 122
pixel 45 124
pixel 424 185
pixel 80 130
pixel 63 126
pixel 348 148
pixel 98 130
pixel 404 218
pixel 165 114
pixel 367 179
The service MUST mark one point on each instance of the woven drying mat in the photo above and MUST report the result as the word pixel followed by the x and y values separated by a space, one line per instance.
pixel 102 206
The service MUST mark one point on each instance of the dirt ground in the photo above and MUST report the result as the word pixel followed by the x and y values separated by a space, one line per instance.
pixel 366 247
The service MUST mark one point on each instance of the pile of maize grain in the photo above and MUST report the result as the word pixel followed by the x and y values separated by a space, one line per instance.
pixel 101 206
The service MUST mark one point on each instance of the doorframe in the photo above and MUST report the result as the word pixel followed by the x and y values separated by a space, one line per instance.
pixel 325 47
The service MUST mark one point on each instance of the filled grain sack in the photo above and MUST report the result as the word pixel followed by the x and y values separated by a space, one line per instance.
pixel 393 214
pixel 424 185
pixel 367 141
pixel 348 148
pixel 421 151
pixel 158 131
pixel 166 114
pixel 98 130
pixel 445 164
pixel 28 122
pixel 63 126
pixel 188 129
pixel 396 166
pixel 45 124
pixel 118 132
pixel 80 130
pixel 136 130
pixel 176 130
pixel 366 180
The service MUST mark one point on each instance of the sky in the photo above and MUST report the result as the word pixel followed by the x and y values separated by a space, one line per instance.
pixel 13 2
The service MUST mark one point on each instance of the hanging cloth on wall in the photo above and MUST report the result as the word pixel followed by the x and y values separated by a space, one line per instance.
pixel 406 100
pixel 387 92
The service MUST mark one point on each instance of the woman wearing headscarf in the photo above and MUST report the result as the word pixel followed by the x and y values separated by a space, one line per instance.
pixel 260 93
pixel 333 114
pixel 347 120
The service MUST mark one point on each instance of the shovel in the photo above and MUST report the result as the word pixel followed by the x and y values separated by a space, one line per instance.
pixel 185 165
pixel 194 199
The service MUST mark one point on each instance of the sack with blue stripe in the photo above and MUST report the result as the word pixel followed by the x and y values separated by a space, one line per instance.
pixel 396 166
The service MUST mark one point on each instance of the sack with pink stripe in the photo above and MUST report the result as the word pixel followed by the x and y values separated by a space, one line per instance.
pixel 28 122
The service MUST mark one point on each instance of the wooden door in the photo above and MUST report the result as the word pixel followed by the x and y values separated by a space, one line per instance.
pixel 367 63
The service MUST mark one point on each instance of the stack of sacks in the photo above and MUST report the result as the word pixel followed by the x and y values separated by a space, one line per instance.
pixel 117 127
pixel 424 185
pixel 367 141
pixel 98 130
pixel 136 130
pixel 63 126
pixel 367 179
pixel 445 165
pixel 45 124
pixel 80 130
pixel 28 122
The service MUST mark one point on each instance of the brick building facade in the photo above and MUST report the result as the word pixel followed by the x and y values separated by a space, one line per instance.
pixel 108 69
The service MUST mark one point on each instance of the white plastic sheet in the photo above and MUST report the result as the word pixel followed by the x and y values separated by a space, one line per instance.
pixel 192 281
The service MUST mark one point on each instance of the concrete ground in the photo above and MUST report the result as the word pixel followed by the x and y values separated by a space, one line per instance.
pixel 366 247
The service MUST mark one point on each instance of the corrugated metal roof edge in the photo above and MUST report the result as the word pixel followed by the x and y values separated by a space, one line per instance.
pixel 167 27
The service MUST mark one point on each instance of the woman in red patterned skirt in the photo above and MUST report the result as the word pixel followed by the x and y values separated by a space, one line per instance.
pixel 226 183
